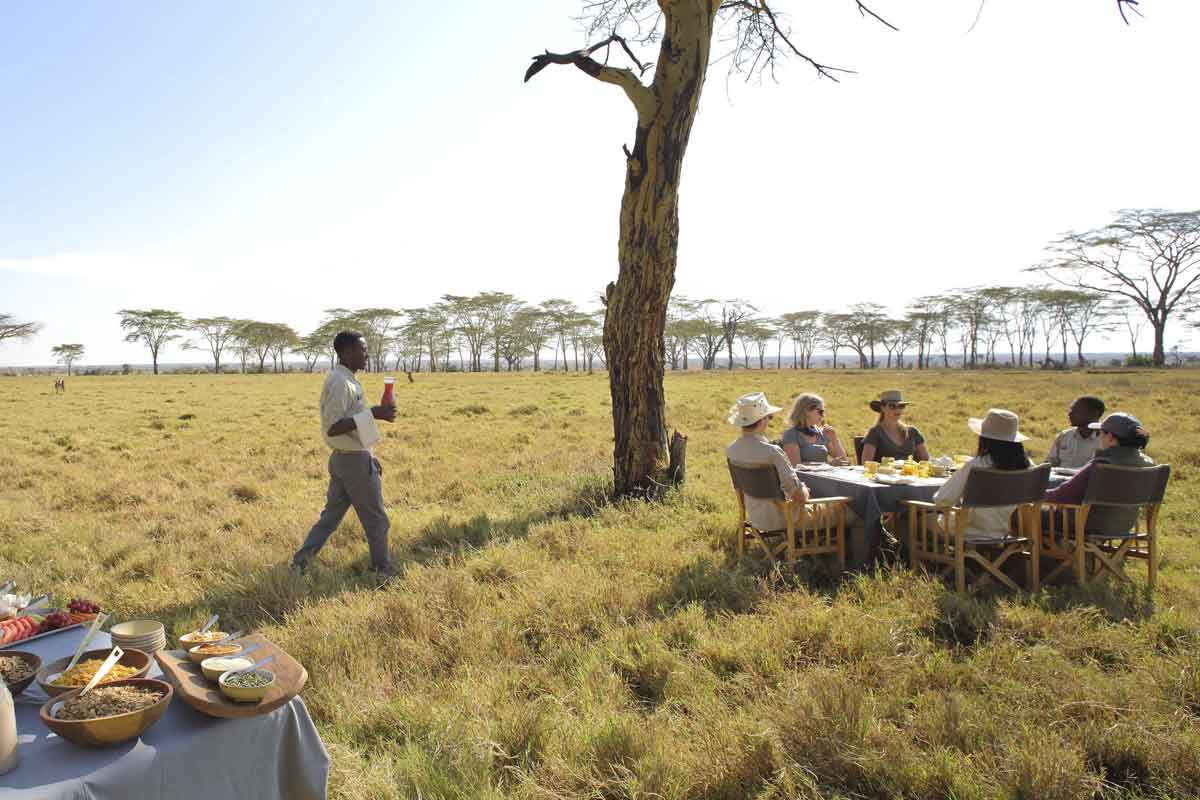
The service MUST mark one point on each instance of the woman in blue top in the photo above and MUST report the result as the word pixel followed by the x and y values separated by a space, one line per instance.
pixel 809 439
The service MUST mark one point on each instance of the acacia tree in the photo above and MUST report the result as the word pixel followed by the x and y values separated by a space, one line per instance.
pixel 217 333
pixel 1147 255
pixel 1135 322
pixel 11 329
pixel 153 327
pixel 648 238
pixel 311 348
pixel 67 354
pixel 1084 314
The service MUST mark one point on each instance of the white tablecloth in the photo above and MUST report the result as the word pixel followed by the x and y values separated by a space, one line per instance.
pixel 184 755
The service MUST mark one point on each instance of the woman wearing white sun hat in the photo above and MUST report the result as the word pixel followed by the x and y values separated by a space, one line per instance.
pixel 999 448
pixel 752 413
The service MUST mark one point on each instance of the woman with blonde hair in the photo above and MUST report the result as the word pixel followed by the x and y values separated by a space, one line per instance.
pixel 809 439
pixel 890 436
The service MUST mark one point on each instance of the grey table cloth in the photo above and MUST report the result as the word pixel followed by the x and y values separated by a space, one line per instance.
pixel 869 500
pixel 185 754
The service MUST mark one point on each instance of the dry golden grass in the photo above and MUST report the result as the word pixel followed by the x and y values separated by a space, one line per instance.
pixel 541 643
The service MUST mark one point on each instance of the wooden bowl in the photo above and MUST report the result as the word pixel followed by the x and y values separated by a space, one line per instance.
pixel 132 658
pixel 33 660
pixel 243 694
pixel 104 731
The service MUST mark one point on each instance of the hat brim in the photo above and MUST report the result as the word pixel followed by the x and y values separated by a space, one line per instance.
pixel 877 405
pixel 976 426
pixel 1096 426
pixel 736 419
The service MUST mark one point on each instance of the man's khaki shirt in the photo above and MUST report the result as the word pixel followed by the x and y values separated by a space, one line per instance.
pixel 753 450
pixel 341 397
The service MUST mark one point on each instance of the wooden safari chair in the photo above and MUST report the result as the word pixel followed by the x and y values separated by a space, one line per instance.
pixel 1091 545
pixel 821 529
pixel 858 448
pixel 937 534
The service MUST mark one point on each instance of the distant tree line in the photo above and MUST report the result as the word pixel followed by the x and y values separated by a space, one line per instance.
pixel 486 331
pixel 981 326
pixel 1140 271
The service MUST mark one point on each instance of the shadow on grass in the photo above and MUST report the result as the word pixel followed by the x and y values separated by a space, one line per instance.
pixel 716 587
pixel 964 620
pixel 444 539
pixel 266 594
pixel 1120 601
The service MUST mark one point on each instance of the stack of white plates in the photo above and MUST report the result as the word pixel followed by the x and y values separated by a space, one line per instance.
pixel 142 634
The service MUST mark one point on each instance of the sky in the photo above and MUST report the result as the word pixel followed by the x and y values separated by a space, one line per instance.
pixel 272 160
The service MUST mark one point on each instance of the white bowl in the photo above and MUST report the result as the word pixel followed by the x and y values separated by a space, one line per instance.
pixel 138 629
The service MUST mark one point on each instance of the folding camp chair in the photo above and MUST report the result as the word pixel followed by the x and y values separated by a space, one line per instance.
pixel 1096 536
pixel 937 535
pixel 821 528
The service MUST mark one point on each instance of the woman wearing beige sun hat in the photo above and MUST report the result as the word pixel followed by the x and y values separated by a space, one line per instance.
pixel 752 413
pixel 999 447
pixel 891 437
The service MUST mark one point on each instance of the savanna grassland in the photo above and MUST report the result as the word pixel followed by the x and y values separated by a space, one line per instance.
pixel 543 643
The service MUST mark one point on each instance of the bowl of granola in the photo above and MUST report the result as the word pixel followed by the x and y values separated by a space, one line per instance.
pixel 18 668
pixel 109 714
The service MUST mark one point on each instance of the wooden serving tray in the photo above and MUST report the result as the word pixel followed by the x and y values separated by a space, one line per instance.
pixel 205 696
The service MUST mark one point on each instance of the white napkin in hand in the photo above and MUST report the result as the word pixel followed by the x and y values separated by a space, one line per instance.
pixel 368 431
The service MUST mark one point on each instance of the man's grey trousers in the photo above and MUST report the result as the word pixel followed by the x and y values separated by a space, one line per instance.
pixel 354 480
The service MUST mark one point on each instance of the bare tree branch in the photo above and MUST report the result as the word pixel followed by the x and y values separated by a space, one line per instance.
pixel 862 9
pixel 638 93
pixel 757 42
pixel 1132 5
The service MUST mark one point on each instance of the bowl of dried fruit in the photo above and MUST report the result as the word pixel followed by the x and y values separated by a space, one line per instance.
pixel 18 668
pixel 54 681
pixel 108 714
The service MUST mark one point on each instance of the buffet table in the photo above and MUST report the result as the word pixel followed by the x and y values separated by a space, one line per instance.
pixel 184 755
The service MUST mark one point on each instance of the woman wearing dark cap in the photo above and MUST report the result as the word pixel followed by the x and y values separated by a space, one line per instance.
pixel 890 436
pixel 1122 440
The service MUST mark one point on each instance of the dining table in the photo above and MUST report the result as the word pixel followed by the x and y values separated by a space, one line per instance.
pixel 186 755
pixel 871 497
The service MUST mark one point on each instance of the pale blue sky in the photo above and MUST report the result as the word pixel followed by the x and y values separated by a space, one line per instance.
pixel 271 160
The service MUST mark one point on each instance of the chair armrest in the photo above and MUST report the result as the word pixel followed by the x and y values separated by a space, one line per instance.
pixel 816 501
pixel 923 504
pixel 1052 504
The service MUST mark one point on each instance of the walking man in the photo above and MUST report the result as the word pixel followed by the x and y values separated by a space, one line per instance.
pixel 348 426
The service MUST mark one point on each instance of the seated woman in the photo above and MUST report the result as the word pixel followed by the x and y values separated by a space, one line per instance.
pixel 890 436
pixel 999 448
pixel 1122 440
pixel 809 438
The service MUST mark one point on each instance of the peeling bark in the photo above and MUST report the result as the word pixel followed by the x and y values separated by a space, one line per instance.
pixel 647 247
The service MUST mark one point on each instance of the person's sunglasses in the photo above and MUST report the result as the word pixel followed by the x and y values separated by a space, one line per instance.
pixel 894 405
pixel 818 410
